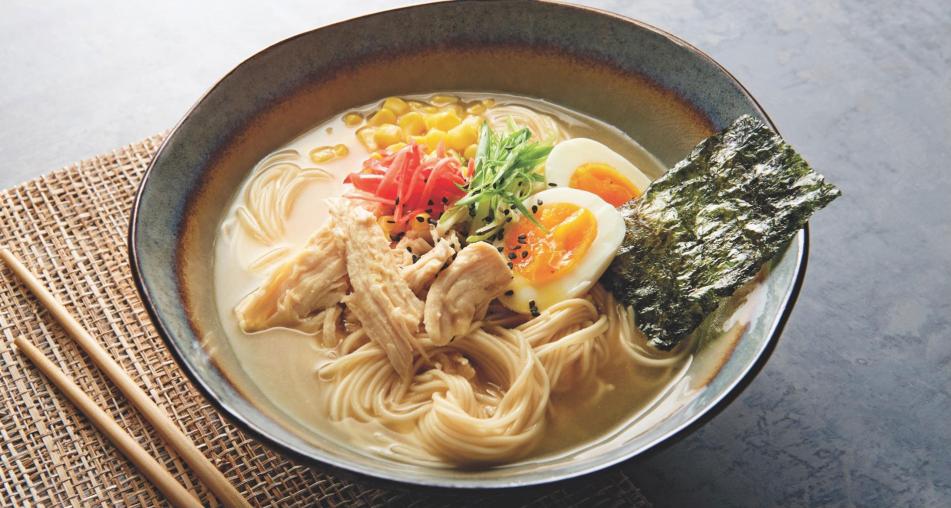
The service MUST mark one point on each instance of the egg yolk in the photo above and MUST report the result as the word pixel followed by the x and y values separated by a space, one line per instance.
pixel 605 181
pixel 541 257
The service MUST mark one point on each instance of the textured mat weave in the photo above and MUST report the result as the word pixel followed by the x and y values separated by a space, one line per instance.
pixel 70 228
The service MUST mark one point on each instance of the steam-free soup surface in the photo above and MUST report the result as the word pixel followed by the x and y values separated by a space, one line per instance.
pixel 284 203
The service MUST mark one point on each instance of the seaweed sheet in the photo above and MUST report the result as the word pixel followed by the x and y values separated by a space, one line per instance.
pixel 708 225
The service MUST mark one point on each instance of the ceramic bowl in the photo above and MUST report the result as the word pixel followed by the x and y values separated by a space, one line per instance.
pixel 661 91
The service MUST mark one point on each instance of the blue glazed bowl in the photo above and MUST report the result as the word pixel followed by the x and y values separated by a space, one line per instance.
pixel 661 91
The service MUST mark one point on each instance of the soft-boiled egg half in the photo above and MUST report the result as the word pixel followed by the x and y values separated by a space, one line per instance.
pixel 585 164
pixel 581 235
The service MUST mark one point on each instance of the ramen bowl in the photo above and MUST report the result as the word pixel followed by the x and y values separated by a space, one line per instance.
pixel 654 87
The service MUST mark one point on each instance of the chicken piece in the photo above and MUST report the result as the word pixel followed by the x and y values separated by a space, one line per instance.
pixel 421 273
pixel 293 295
pixel 408 248
pixel 464 289
pixel 383 302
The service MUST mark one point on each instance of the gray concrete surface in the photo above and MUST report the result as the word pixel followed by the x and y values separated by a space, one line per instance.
pixel 854 406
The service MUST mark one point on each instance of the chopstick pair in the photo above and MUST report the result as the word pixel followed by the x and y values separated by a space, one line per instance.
pixel 157 418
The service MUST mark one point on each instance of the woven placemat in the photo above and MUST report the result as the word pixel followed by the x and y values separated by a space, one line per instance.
pixel 70 228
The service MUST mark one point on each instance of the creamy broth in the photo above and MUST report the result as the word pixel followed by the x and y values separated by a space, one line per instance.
pixel 283 362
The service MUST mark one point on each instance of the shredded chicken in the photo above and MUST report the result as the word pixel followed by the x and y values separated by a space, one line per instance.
pixel 409 248
pixel 463 290
pixel 383 302
pixel 420 274
pixel 293 295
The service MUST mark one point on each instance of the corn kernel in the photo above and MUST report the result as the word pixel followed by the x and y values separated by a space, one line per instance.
pixel 395 147
pixel 366 135
pixel 476 109
pixel 383 116
pixel 387 223
pixel 352 119
pixel 396 105
pixel 413 123
pixel 461 136
pixel 322 154
pixel 420 226
pixel 415 105
pixel 432 139
pixel 470 151
pixel 455 109
pixel 428 109
pixel 388 134
pixel 442 100
pixel 488 103
pixel 341 150
pixel 443 120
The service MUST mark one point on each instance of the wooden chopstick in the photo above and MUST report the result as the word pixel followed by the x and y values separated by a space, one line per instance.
pixel 152 470
pixel 173 436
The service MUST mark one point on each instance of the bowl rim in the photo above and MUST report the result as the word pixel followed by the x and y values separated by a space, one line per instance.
pixel 343 468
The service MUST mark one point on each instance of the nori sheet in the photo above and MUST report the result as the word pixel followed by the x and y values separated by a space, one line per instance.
pixel 708 225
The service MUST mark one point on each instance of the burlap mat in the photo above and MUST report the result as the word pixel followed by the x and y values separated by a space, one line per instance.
pixel 70 228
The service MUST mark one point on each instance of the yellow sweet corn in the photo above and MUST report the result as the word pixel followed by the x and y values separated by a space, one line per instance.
pixel 412 123
pixel 366 135
pixel 341 150
pixel 387 223
pixel 455 109
pixel 442 100
pixel 322 154
pixel 431 139
pixel 383 116
pixel 476 109
pixel 387 134
pixel 461 136
pixel 352 119
pixel 444 120
pixel 395 147
pixel 396 105
pixel 470 151
pixel 420 223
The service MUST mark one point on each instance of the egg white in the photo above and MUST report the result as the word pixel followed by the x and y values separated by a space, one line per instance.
pixel 568 155
pixel 588 270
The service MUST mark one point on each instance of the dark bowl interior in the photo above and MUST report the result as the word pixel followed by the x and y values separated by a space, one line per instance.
pixel 656 88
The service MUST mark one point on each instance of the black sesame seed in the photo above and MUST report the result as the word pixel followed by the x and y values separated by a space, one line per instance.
pixel 534 208
pixel 409 249
pixel 397 200
pixel 552 184
pixel 522 238
pixel 506 211
pixel 500 249
pixel 512 255
pixel 533 308
pixel 540 202
pixel 524 254
pixel 511 266
pixel 509 293
pixel 415 258
pixel 419 218
pixel 445 200
pixel 508 219
pixel 390 221
pixel 429 210
pixel 430 202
